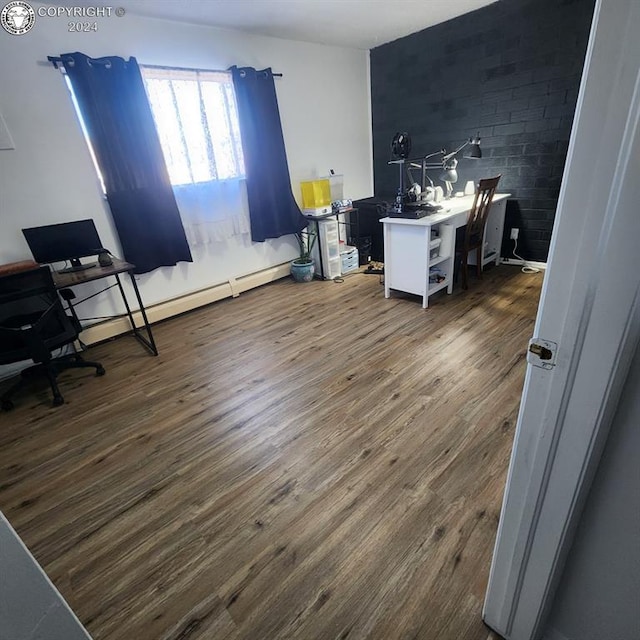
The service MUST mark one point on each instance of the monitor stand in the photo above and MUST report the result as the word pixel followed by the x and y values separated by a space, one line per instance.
pixel 76 265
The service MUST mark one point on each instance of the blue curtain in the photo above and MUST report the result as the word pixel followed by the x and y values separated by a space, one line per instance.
pixel 272 208
pixel 111 96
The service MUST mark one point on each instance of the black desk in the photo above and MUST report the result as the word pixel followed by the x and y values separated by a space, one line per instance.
pixel 371 211
pixel 73 278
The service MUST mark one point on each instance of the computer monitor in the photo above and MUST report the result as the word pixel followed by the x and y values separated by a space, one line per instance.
pixel 66 241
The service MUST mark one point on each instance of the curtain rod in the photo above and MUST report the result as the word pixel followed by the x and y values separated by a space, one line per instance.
pixel 55 61
pixel 160 66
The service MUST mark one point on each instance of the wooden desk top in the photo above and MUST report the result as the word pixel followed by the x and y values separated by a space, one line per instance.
pixel 72 278
pixel 15 267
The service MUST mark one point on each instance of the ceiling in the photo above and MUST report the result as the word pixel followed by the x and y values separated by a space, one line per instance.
pixel 361 24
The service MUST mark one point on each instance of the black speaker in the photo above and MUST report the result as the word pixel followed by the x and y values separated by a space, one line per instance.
pixel 371 210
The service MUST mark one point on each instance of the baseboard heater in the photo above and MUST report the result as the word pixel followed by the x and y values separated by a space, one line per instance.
pixel 170 308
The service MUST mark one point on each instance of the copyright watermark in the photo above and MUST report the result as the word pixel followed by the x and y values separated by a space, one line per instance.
pixel 19 17
pixel 80 12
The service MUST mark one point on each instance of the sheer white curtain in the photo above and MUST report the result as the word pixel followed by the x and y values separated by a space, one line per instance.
pixel 196 117
pixel 213 211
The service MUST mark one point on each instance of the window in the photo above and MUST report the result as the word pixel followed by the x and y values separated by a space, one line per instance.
pixel 197 122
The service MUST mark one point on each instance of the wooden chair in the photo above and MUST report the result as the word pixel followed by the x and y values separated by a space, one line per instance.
pixel 471 237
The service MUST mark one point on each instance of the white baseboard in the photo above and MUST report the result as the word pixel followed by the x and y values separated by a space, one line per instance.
pixel 163 310
pixel 522 263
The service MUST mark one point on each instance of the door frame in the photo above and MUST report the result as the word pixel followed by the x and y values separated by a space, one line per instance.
pixel 590 307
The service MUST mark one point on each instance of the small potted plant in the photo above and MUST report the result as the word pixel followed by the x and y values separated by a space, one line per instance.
pixel 302 268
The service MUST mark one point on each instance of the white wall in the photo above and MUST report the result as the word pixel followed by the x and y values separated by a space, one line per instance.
pixel 599 595
pixel 49 178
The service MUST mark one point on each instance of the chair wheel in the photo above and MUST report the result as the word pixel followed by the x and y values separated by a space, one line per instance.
pixel 57 401
pixel 6 405
pixel 100 371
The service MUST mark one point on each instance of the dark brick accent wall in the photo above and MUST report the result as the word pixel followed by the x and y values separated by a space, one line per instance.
pixel 510 71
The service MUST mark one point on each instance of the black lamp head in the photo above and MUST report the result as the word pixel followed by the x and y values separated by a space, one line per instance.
pixel 474 150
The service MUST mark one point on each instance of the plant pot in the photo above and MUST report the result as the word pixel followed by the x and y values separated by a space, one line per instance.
pixel 302 271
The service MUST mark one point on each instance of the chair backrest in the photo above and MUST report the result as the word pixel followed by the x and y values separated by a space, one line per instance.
pixel 479 212
pixel 32 318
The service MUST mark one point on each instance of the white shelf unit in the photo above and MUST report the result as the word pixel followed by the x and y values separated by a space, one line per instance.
pixel 327 246
pixel 348 259
pixel 441 259
pixel 419 258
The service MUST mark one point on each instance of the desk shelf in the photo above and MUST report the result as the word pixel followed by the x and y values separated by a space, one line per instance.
pixel 433 288
pixel 434 261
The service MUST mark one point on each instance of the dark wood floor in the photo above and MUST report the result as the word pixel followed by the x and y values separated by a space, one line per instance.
pixel 305 461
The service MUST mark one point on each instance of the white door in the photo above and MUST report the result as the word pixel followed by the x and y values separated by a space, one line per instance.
pixel 589 308
pixel 30 605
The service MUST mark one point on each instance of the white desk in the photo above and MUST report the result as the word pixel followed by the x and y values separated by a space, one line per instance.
pixel 419 254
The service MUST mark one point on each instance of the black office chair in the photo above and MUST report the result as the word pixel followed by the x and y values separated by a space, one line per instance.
pixel 33 325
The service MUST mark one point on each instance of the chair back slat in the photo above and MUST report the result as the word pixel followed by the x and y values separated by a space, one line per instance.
pixel 479 212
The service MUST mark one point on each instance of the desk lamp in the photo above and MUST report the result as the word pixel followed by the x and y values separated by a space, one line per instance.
pixel 449 161
pixel 448 164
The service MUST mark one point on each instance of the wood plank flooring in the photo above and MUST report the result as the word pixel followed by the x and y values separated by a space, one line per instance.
pixel 306 461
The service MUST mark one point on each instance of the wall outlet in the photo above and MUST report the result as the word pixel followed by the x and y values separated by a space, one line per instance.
pixel 514 233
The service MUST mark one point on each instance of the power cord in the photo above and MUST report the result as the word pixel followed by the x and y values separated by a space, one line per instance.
pixel 527 267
